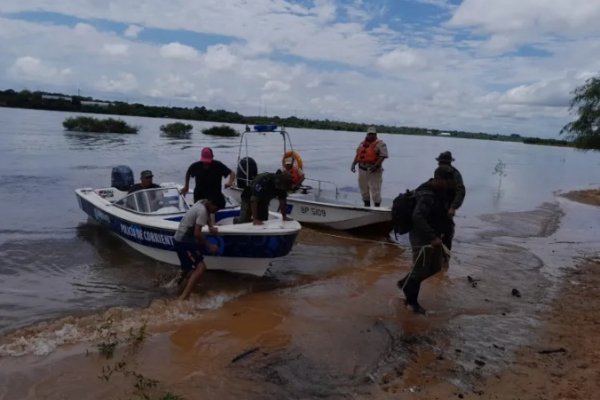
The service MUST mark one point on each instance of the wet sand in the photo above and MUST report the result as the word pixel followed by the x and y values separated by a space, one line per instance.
pixel 591 197
pixel 343 332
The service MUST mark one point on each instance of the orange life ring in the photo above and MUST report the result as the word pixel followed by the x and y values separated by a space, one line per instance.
pixel 293 155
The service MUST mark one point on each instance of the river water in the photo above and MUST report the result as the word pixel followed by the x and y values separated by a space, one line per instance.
pixel 328 321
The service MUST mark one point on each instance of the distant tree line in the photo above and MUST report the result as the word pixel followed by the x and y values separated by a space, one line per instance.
pixel 61 102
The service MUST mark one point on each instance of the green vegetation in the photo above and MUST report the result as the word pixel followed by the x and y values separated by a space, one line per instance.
pixel 222 130
pixel 143 387
pixel 89 124
pixel 548 142
pixel 107 348
pixel 177 129
pixel 58 101
pixel 585 130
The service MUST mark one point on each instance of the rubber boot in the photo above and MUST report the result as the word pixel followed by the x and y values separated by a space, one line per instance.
pixel 367 203
pixel 377 204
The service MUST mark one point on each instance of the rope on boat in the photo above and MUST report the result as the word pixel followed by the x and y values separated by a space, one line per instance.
pixel 363 240
pixel 447 252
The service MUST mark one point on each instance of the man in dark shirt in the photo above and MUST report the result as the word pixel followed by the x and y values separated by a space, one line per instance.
pixel 257 196
pixel 455 197
pixel 456 194
pixel 208 173
pixel 145 182
pixel 431 223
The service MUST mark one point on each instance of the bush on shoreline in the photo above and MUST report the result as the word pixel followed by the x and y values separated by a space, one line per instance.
pixel 177 129
pixel 222 130
pixel 88 124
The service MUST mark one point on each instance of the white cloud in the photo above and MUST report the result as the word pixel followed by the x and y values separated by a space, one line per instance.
pixel 325 10
pixel 518 22
pixel 400 58
pixel 178 51
pixel 552 93
pixel 115 49
pixel 123 82
pixel 415 75
pixel 84 29
pixel 33 69
pixel 276 86
pixel 219 58
pixel 133 31
pixel 173 85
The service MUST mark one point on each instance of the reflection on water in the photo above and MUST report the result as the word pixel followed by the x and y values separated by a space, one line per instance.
pixel 91 141
pixel 172 137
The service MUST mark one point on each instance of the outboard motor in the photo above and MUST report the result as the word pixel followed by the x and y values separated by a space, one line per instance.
pixel 121 178
pixel 246 171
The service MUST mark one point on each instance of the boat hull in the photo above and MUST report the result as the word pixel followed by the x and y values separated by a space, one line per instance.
pixel 250 251
pixel 326 213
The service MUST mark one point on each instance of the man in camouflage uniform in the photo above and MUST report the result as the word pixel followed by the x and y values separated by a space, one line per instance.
pixel 455 197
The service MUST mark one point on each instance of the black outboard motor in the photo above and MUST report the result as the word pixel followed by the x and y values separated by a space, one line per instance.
pixel 121 178
pixel 246 171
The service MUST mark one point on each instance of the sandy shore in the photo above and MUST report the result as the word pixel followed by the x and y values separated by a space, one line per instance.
pixel 591 196
pixel 346 335
pixel 562 363
pixel 565 361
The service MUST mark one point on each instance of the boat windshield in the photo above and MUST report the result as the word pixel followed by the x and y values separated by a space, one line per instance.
pixel 154 201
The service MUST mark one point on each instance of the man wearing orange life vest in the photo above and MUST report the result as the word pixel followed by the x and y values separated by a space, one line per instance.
pixel 369 157
pixel 294 171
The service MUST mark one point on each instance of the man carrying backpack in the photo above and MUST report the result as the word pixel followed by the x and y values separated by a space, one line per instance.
pixel 455 196
pixel 430 223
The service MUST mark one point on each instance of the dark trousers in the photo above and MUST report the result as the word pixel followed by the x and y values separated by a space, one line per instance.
pixel 448 236
pixel 246 211
pixel 427 261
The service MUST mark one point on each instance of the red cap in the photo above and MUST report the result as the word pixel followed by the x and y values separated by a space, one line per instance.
pixel 206 155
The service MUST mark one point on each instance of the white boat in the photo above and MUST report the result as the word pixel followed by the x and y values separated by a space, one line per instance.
pixel 321 203
pixel 147 219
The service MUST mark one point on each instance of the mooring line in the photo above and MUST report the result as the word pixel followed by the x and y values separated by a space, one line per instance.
pixel 364 240
pixel 444 248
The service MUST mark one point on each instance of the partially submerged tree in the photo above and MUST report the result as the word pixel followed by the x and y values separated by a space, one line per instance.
pixel 222 130
pixel 177 129
pixel 585 130
pixel 89 124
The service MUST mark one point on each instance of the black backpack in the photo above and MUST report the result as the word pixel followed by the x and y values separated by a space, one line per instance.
pixel 402 210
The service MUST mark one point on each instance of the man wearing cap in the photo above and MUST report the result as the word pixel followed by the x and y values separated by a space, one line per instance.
pixel 145 182
pixel 431 223
pixel 296 173
pixel 369 157
pixel 208 173
pixel 257 196
pixel 455 196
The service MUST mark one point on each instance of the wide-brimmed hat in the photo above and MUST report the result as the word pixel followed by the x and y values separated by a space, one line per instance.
pixel 206 155
pixel 445 156
pixel 146 174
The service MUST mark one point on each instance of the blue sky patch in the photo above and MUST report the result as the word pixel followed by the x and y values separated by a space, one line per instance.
pixel 67 20
pixel 199 41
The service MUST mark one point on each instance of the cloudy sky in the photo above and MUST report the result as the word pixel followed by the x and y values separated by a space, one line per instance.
pixel 498 66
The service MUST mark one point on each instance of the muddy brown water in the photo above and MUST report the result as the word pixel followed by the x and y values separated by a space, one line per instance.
pixel 328 322
pixel 345 334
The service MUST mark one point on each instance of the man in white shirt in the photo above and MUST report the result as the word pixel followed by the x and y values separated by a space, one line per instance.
pixel 190 241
